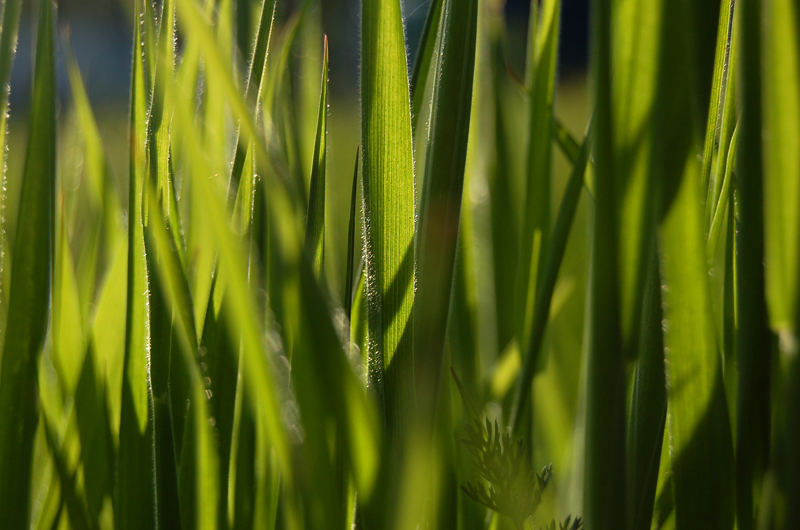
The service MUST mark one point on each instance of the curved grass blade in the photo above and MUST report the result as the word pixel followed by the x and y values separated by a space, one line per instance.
pixel 29 294
pixel 315 220
pixel 388 180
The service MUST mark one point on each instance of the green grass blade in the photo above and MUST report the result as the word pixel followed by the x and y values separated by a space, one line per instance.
pixel 424 60
pixel 255 83
pixel 700 436
pixel 781 192
pixel 635 35
pixel 552 257
pixel 648 409
pixel 29 293
pixel 753 339
pixel 719 84
pixel 315 219
pixel 134 505
pixel 349 295
pixel 781 163
pixel 443 183
pixel 605 415
pixel 542 60
pixel 9 14
pixel 388 180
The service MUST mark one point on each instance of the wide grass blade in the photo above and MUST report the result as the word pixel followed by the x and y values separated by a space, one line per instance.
pixel 700 436
pixel 388 180
pixel 29 291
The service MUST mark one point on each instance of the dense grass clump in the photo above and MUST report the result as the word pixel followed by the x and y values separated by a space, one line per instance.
pixel 249 333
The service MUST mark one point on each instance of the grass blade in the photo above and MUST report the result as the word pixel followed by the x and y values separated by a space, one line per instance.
pixel 9 14
pixel 424 60
pixel 315 220
pixel 388 180
pixel 781 132
pixel 605 416
pixel 700 436
pixel 552 257
pixel 29 293
pixel 542 60
pixel 441 195
pixel 134 505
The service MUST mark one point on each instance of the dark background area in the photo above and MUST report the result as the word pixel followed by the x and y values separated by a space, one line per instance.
pixel 99 33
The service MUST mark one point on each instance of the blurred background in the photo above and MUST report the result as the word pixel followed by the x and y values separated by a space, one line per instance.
pixel 99 33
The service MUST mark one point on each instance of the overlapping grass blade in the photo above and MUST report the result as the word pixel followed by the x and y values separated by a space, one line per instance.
pixel 700 436
pixel 648 408
pixel 134 493
pixel 552 257
pixel 543 30
pixel 315 219
pixel 29 293
pixel 441 195
pixel 424 60
pixel 388 181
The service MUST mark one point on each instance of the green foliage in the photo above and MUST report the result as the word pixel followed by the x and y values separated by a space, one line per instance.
pixel 193 337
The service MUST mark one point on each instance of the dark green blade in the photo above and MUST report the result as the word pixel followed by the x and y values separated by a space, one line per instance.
pixel 29 294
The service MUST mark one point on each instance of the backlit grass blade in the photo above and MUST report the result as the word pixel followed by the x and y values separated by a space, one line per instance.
pixel 719 85
pixel 552 257
pixel 604 496
pixel 9 14
pixel 29 293
pixel 781 179
pixel 388 180
pixel 315 219
pixel 441 194
pixel 255 82
pixel 542 58
pixel 634 50
pixel 424 60
pixel 134 483
pixel 700 436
